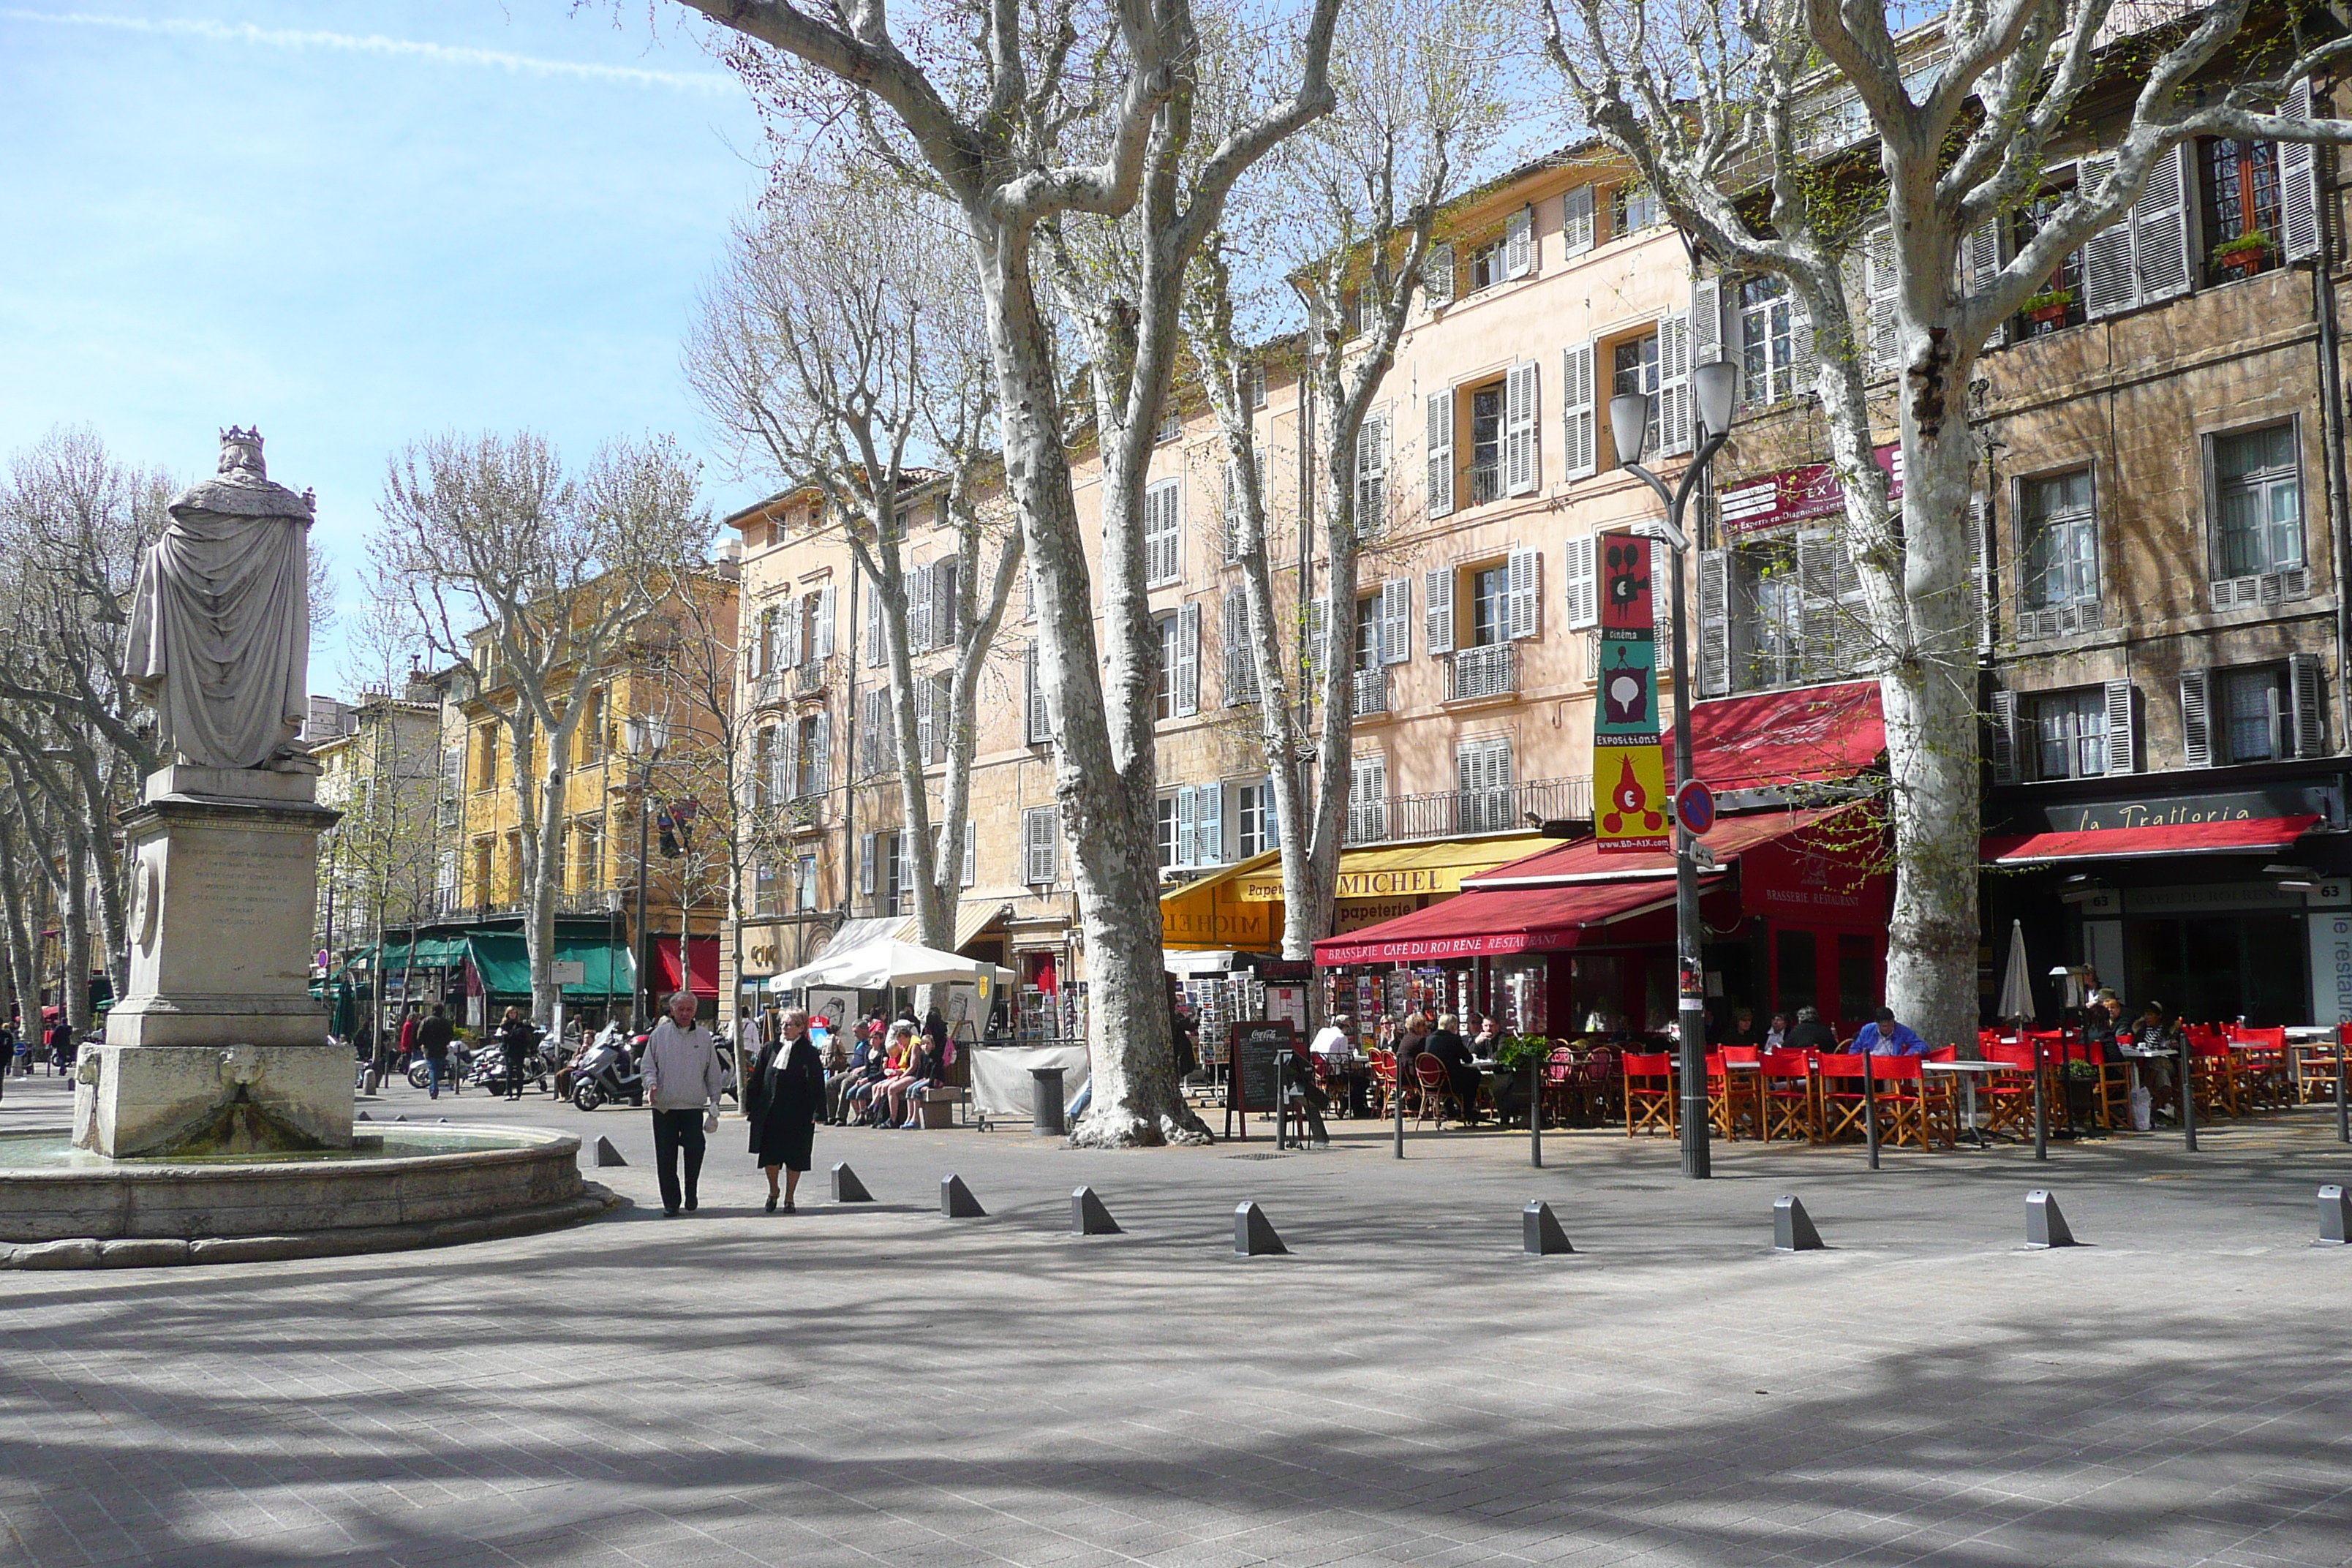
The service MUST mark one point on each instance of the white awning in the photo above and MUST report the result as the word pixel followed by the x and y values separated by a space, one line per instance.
pixel 873 964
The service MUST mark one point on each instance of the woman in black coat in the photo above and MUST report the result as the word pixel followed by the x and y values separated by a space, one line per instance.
pixel 782 1094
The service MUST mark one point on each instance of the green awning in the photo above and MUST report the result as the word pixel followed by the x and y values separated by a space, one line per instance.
pixel 431 952
pixel 503 961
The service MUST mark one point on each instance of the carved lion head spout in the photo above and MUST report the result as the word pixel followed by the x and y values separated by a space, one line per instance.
pixel 240 453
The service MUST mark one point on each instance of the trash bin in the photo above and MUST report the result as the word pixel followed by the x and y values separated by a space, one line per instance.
pixel 1045 1106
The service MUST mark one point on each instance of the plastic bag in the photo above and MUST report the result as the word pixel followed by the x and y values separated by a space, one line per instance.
pixel 2143 1110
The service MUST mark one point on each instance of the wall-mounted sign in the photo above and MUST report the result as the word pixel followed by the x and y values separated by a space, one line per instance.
pixel 1780 501
pixel 1629 765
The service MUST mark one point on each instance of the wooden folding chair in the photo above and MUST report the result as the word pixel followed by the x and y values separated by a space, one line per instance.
pixel 1841 1095
pixel 2264 1082
pixel 1649 1093
pixel 2213 1079
pixel 1792 1103
pixel 2007 1098
pixel 2316 1063
pixel 1909 1112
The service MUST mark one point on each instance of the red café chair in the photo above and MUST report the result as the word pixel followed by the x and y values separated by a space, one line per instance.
pixel 2007 1098
pixel 1563 1086
pixel 2265 1081
pixel 1909 1112
pixel 2213 1079
pixel 1603 1083
pixel 1792 1103
pixel 1734 1084
pixel 1841 1106
pixel 1436 1087
pixel 1383 1081
pixel 1649 1091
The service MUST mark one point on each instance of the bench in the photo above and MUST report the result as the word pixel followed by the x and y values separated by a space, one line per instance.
pixel 943 1107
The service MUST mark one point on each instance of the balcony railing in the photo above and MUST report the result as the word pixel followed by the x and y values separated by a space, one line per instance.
pixel 1487 671
pixel 810 678
pixel 1451 814
pixel 448 901
pixel 1371 693
pixel 768 690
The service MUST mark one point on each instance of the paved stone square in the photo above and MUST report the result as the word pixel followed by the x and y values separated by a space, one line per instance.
pixel 881 1385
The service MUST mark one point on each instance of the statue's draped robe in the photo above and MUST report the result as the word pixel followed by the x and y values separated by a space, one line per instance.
pixel 220 627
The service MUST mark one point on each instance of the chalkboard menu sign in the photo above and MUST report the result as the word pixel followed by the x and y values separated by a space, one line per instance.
pixel 1256 1075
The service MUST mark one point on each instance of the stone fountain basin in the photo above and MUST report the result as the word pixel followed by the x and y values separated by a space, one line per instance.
pixel 402 1186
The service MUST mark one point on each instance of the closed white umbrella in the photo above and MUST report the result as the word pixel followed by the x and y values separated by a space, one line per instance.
pixel 2017 980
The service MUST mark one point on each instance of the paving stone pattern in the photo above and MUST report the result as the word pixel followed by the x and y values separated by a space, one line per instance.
pixel 876 1385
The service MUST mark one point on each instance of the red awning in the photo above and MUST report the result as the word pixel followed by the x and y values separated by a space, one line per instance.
pixel 1516 920
pixel 2244 836
pixel 1786 737
pixel 1580 859
pixel 702 950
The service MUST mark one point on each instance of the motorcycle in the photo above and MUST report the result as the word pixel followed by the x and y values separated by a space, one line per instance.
pixel 607 1072
pixel 490 1067
pixel 460 1070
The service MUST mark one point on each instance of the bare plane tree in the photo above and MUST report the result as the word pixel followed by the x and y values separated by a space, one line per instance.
pixel 1023 117
pixel 528 580
pixel 1715 102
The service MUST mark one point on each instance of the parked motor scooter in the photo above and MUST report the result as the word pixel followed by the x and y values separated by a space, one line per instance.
pixel 460 1070
pixel 607 1073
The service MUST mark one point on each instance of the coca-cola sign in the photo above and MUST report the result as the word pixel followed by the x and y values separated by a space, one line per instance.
pixel 1755 507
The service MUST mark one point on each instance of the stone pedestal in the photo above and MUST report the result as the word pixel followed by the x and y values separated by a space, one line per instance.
pixel 217 1039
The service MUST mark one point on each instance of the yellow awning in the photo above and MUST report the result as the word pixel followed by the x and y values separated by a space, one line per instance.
pixel 1233 909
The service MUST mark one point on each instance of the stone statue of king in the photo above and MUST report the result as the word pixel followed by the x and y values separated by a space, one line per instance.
pixel 220 628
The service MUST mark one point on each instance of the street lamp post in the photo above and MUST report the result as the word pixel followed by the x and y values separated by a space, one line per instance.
pixel 1629 422
pixel 647 734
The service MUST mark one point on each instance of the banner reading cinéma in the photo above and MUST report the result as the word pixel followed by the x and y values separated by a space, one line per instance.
pixel 1629 766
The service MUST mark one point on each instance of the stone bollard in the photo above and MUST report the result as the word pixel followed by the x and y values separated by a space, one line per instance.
pixel 369 1082
pixel 606 1155
pixel 1540 1235
pixel 956 1201
pixel 848 1188
pixel 1254 1234
pixel 2335 1215
pixel 1045 1118
pixel 1088 1216
pixel 1792 1228
pixel 2044 1226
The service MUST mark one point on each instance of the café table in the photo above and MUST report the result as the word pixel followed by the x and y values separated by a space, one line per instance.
pixel 1969 1073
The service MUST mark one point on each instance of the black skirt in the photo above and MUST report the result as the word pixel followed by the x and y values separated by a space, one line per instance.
pixel 787 1141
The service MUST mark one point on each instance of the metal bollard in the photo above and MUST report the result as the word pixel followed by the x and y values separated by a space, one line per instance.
pixel 1045 1118
pixel 1535 1112
pixel 2042 1107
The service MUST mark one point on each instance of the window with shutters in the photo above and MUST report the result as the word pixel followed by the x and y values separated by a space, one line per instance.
pixel 764 769
pixel 1040 724
pixel 1163 691
pixel 1490 596
pixel 1766 359
pixel 2251 715
pixel 587 855
pixel 2058 549
pixel 1172 423
pixel 898 887
pixel 1632 207
pixel 1486 444
pixel 1482 769
pixel 1166 824
pixel 765 891
pixel 1372 475
pixel 1789 612
pixel 1040 837
pixel 814 754
pixel 2258 506
pixel 1367 799
pixel 1254 818
pixel 1487 264
pixel 1636 370
pixel 1163 559
pixel 2059 304
pixel 2242 202
pixel 2070 734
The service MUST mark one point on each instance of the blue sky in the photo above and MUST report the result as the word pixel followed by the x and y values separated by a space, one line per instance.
pixel 356 224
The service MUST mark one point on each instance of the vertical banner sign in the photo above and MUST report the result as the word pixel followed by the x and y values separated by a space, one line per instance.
pixel 1629 766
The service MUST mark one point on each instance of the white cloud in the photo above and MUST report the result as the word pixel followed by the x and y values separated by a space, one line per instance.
pixel 377 43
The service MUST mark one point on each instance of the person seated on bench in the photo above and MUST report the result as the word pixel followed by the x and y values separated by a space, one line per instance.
pixel 897 1072
pixel 923 1070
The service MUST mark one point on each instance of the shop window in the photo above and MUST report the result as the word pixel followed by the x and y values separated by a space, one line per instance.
pixel 2059 548
pixel 2242 207
pixel 2258 503
pixel 2070 734
pixel 1636 370
pixel 1485 443
pixel 1768 363
pixel 2059 302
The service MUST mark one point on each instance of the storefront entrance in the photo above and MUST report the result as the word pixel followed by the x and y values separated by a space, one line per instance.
pixel 2222 968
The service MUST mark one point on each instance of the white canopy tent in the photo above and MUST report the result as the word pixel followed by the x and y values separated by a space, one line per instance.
pixel 883 961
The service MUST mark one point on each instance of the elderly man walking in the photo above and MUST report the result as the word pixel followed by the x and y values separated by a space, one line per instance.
pixel 684 1080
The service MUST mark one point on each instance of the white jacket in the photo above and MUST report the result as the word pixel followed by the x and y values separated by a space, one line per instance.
pixel 681 1066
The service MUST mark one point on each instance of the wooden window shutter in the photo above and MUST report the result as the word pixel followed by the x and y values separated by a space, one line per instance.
pixel 1526 596
pixel 2196 720
pixel 2161 227
pixel 1878 286
pixel 2305 693
pixel 1041 720
pixel 1188 659
pixel 970 852
pixel 1188 821
pixel 1437 275
pixel 1441 452
pixel 2107 255
pixel 1396 620
pixel 1519 243
pixel 947 604
pixel 2003 738
pixel 873 627
pixel 1980 268
pixel 1240 668
pixel 824 618
pixel 1706 323
pixel 1580 412
pixel 1980 570
pixel 2123 751
pixel 1437 609
pixel 1576 221
pixel 1674 408
pixel 2298 165
pixel 866 862
pixel 820 766
pixel 1522 464
pixel 1714 619
pixel 1582 571
pixel 926 729
pixel 1209 824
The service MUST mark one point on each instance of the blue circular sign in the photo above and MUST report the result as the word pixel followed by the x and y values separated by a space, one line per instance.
pixel 1694 808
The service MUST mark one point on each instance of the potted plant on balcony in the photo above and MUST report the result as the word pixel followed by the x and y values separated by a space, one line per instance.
pixel 2244 255
pixel 2049 306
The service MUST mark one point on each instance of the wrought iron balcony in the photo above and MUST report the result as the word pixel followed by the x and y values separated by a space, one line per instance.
pixel 1489 671
pixel 1458 813
pixel 1371 691
pixel 809 679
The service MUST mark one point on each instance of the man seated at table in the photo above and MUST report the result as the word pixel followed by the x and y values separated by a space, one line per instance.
pixel 1883 1037
pixel 1448 1047
pixel 1808 1033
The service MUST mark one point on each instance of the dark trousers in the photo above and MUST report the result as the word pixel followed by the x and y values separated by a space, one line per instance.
pixel 514 1074
pixel 674 1131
